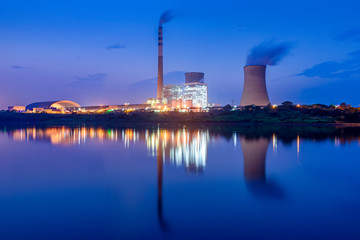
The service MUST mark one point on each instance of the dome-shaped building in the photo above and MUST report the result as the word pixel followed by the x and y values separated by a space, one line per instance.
pixel 63 105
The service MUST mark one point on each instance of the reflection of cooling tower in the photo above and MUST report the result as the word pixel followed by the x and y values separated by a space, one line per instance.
pixel 194 77
pixel 160 81
pixel 254 91
pixel 254 152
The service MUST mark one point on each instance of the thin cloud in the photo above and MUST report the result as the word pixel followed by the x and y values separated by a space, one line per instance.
pixel 17 67
pixel 96 79
pixel 350 34
pixel 347 69
pixel 116 46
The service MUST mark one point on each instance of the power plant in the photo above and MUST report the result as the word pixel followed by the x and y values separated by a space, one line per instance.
pixel 254 91
pixel 194 93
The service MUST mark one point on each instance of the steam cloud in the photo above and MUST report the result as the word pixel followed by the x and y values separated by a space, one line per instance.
pixel 166 17
pixel 268 53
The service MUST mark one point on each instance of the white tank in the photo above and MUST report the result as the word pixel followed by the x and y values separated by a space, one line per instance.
pixel 254 91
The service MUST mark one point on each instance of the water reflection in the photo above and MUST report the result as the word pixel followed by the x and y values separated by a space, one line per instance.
pixel 254 153
pixel 163 224
pixel 179 147
pixel 189 148
pixel 185 146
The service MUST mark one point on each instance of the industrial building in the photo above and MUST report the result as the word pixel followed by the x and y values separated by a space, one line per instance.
pixel 172 94
pixel 69 106
pixel 53 106
pixel 192 94
pixel 254 91
pixel 125 107
pixel 16 108
pixel 196 94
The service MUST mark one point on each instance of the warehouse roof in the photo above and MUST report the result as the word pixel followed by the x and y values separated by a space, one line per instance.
pixel 53 104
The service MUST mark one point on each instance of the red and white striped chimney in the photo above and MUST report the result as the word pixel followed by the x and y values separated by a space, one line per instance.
pixel 160 81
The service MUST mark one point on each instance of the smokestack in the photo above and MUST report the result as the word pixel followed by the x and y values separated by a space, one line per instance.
pixel 160 82
pixel 164 18
pixel 254 91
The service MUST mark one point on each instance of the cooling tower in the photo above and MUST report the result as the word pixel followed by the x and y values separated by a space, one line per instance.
pixel 160 81
pixel 194 77
pixel 254 91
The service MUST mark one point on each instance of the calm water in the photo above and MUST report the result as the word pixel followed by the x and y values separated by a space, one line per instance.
pixel 180 183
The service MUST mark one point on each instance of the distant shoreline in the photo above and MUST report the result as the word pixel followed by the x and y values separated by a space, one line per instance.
pixel 174 119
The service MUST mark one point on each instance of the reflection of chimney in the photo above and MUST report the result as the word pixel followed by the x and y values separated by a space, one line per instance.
pixel 160 159
pixel 254 91
pixel 254 152
pixel 160 81
pixel 159 181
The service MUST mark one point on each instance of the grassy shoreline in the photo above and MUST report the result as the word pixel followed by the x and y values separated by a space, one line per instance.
pixel 282 117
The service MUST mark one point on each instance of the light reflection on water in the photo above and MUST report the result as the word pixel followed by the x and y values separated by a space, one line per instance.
pixel 191 148
pixel 181 146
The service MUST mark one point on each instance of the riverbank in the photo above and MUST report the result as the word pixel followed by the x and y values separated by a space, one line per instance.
pixel 248 116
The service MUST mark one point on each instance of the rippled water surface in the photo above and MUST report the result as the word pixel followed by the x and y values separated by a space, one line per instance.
pixel 247 182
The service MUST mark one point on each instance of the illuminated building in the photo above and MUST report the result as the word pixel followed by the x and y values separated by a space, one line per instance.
pixel 17 108
pixel 70 107
pixel 192 94
pixel 53 106
pixel 197 93
pixel 108 108
pixel 173 93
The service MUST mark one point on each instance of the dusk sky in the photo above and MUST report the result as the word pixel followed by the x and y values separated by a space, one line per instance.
pixel 105 52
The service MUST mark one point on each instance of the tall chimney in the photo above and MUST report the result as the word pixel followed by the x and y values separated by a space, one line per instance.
pixel 160 82
pixel 254 91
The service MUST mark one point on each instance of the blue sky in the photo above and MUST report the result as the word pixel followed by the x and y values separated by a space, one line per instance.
pixel 105 52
